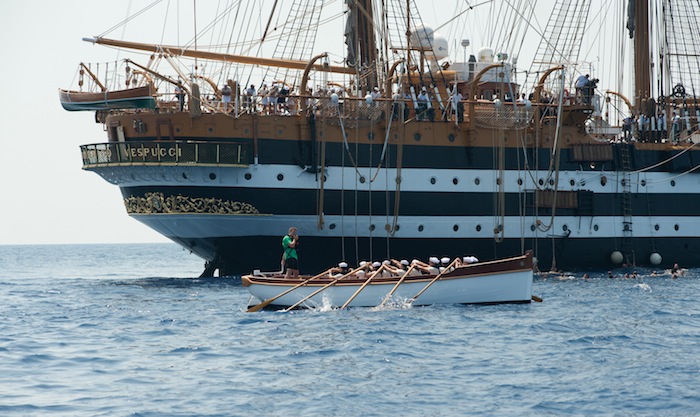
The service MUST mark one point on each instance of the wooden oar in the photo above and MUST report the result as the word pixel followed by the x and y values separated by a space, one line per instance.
pixel 432 281
pixel 367 281
pixel 321 289
pixel 403 277
pixel 267 302
pixel 536 299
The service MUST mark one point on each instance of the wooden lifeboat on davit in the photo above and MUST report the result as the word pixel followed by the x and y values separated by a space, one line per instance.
pixel 131 98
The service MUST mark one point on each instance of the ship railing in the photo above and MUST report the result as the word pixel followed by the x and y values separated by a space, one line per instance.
pixel 165 153
pixel 354 112
pixel 506 117
pixel 357 112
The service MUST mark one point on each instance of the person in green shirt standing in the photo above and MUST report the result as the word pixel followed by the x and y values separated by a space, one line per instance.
pixel 291 259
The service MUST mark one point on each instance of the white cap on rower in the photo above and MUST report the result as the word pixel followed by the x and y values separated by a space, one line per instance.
pixel 434 260
pixel 445 260
pixel 376 264
pixel 343 265
pixel 386 262
pixel 363 263
pixel 404 262
pixel 470 259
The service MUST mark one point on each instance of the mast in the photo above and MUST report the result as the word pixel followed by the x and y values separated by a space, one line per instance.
pixel 366 41
pixel 642 62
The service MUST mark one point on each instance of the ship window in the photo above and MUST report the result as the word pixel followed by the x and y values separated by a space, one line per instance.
pixel 371 228
pixel 498 181
pixel 595 227
pixel 532 227
pixel 603 180
pixel 478 227
pixel 673 183
pixel 656 227
pixel 551 182
pixel 184 175
pixel 332 226
pixel 643 182
pixel 420 228
pixel 541 181
pixel 477 181
pixel 520 181
pixel 572 182
pixel 370 135
pixel 362 179
pixel 417 137
pixel 455 180
pixel 433 180
pixel 248 175
pixel 280 177
pixel 565 228
pixel 451 137
pixel 675 227
pixel 212 176
pixel 455 227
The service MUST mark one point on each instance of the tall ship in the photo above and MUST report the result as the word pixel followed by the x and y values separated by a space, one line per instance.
pixel 378 136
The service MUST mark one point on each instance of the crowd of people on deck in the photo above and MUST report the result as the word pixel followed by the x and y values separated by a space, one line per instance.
pixel 645 128
pixel 278 98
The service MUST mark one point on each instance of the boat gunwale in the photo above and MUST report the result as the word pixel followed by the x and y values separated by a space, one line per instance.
pixel 475 270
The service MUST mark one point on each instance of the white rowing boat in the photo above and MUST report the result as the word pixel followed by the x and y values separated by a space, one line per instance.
pixel 507 280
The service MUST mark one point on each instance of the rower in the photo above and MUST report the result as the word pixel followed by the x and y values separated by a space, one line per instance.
pixel 469 259
pixel 339 271
pixel 388 270
pixel 430 268
pixel 444 263
pixel 401 266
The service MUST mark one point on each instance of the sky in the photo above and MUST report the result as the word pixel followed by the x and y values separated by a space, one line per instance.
pixel 46 196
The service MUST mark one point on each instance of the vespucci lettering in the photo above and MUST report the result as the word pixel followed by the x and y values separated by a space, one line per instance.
pixel 154 152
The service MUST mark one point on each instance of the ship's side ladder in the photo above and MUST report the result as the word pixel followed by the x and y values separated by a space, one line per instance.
pixel 627 235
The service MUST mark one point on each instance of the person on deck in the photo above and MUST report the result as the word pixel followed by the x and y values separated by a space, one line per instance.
pixel 291 259
pixel 581 84
pixel 423 98
pixel 180 95
pixel 250 99
pixel 627 127
pixel 264 95
pixel 226 96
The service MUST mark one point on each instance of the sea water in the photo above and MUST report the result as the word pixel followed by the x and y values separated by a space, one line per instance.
pixel 129 330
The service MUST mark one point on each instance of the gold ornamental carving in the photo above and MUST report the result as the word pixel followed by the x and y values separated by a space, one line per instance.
pixel 157 203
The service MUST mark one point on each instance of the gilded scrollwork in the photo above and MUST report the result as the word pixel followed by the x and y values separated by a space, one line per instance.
pixel 157 203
